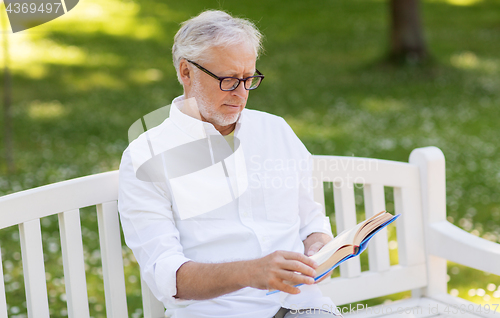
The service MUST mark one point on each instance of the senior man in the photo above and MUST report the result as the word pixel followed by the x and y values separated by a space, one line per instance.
pixel 211 246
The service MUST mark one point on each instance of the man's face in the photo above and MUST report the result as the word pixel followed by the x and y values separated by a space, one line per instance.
pixel 222 108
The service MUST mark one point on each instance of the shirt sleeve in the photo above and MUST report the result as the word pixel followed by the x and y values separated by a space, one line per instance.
pixel 311 213
pixel 150 232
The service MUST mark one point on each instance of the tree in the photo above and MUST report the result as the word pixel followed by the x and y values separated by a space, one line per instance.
pixel 407 39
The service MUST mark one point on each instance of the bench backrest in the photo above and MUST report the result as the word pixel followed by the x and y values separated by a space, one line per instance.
pixel 26 208
pixel 66 198
pixel 347 173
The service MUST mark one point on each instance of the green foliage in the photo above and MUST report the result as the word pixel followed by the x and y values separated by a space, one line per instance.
pixel 80 81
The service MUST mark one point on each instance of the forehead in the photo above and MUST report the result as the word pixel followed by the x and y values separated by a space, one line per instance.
pixel 237 58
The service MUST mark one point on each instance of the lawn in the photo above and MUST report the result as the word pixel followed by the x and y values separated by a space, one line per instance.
pixel 80 81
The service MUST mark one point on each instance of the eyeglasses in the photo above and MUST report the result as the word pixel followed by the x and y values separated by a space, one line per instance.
pixel 228 83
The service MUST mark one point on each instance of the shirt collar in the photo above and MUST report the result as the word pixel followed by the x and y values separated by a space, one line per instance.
pixel 185 119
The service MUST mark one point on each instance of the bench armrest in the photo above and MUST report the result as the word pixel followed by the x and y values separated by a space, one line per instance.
pixel 454 244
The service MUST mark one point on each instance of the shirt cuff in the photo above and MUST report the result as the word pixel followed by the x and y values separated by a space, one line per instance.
pixel 321 225
pixel 166 277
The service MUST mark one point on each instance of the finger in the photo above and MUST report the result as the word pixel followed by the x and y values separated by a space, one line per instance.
pixel 287 288
pixel 294 278
pixel 297 266
pixel 300 257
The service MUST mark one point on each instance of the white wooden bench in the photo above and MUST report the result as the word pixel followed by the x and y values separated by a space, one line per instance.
pixel 425 239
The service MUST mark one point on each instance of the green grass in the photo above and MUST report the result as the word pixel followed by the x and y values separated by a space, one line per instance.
pixel 80 81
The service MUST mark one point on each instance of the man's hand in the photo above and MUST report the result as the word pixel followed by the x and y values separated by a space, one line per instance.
pixel 271 271
pixel 313 243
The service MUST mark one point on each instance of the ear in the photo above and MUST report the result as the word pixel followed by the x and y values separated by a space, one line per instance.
pixel 185 73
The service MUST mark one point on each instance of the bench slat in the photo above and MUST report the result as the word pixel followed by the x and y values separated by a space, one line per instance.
pixel 319 194
pixel 153 308
pixel 378 249
pixel 366 171
pixel 73 263
pixel 409 226
pixel 345 217
pixel 58 197
pixel 112 260
pixel 3 299
pixel 34 269
pixel 374 284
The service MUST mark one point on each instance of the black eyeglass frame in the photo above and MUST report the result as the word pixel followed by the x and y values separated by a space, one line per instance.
pixel 220 79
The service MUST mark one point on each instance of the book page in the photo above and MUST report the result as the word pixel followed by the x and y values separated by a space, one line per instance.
pixel 370 220
pixel 340 254
pixel 371 227
pixel 347 237
pixel 343 239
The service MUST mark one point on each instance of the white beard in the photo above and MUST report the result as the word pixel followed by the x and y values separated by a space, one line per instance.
pixel 208 112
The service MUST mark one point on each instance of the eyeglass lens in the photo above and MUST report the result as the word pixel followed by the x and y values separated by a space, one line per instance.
pixel 232 83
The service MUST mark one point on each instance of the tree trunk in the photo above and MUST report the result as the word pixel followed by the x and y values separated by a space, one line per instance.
pixel 407 40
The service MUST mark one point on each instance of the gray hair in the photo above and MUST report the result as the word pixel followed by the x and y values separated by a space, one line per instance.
pixel 210 29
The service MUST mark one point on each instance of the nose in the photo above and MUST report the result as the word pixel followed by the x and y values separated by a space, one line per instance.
pixel 240 90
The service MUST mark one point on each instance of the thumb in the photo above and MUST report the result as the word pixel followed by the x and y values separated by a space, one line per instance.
pixel 314 248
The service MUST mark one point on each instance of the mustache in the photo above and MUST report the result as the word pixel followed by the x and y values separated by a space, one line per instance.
pixel 235 102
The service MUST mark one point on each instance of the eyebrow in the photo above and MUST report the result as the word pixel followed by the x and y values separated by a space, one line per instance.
pixel 234 73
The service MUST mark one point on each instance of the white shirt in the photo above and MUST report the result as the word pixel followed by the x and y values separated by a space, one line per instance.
pixel 183 196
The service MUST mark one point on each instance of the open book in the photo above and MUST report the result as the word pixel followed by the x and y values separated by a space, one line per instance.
pixel 349 243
